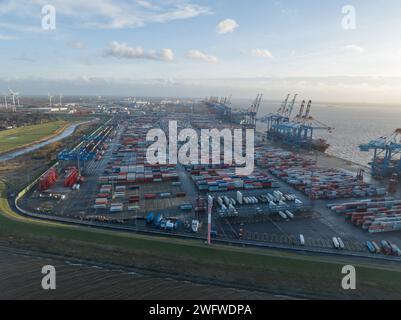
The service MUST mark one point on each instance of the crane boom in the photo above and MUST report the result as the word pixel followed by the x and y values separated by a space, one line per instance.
pixel 258 103
pixel 288 111
pixel 307 113
pixel 283 106
pixel 301 109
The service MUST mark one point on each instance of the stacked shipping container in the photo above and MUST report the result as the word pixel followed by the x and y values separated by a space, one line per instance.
pixel 315 181
pixel 214 180
pixel 71 177
pixel 47 180
pixel 374 215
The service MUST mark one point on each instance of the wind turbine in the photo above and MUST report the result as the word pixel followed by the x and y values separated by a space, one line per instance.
pixel 14 95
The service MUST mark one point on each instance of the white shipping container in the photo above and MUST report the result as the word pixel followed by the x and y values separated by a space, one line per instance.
pixel 341 243
pixel 289 214
pixel 283 215
pixel 302 240
pixel 226 201
pixel 336 243
pixel 240 198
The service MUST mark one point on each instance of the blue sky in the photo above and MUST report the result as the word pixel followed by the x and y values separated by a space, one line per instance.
pixel 176 48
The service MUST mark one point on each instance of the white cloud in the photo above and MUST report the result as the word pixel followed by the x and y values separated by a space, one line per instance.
pixel 115 14
pixel 354 49
pixel 199 55
pixel 76 44
pixel 7 38
pixel 262 53
pixel 168 54
pixel 147 4
pixel 226 26
pixel 180 12
pixel 122 50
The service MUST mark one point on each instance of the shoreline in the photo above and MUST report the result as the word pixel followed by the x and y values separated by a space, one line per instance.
pixel 27 145
pixel 6 156
pixel 322 158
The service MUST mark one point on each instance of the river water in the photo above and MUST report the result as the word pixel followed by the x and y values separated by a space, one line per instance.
pixel 354 124
pixel 13 154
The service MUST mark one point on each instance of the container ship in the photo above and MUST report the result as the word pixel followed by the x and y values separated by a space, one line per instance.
pixel 320 145
pixel 297 131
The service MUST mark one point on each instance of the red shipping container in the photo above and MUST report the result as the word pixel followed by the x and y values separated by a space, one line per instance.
pixel 47 180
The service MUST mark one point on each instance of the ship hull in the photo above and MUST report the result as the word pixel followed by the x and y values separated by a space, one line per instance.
pixel 320 145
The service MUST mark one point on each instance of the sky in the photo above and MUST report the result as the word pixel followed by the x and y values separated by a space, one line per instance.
pixel 191 48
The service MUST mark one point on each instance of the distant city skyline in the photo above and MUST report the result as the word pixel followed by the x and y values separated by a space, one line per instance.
pixel 190 48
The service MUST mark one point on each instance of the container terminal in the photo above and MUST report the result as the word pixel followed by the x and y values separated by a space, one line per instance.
pixel 293 200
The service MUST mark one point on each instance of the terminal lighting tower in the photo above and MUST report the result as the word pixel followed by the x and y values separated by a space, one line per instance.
pixel 209 220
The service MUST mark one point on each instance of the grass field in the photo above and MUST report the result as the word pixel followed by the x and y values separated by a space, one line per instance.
pixel 19 137
pixel 283 272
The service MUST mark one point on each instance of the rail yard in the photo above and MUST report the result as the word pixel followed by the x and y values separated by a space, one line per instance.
pixel 288 202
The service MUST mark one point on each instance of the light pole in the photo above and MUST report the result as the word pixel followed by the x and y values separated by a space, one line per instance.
pixel 209 219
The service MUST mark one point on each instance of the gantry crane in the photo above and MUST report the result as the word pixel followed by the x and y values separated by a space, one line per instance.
pixel 308 126
pixel 250 116
pixel 387 154
pixel 281 116
pixel 299 132
pixel 288 111
pixel 87 149
pixel 283 106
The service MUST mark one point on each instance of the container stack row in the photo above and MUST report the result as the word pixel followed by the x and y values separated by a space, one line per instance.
pixel 375 215
pixel 216 180
pixel 327 183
